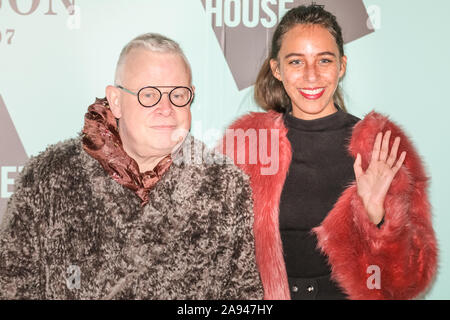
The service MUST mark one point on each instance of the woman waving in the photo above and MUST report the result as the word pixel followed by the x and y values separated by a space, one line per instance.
pixel 346 215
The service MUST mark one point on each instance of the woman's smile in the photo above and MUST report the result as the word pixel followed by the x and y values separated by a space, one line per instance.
pixel 312 93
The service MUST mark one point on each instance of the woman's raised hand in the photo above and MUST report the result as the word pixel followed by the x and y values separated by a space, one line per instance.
pixel 374 183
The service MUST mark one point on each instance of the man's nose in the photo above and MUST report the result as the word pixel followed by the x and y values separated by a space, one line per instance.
pixel 164 105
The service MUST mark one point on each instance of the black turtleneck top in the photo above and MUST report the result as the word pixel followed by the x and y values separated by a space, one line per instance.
pixel 320 170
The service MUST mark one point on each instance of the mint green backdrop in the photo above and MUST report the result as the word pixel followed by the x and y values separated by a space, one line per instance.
pixel 50 73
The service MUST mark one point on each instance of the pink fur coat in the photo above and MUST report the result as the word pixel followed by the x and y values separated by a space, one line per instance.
pixel 404 248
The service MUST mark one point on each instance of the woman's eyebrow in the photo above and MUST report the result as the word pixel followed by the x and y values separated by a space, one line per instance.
pixel 325 53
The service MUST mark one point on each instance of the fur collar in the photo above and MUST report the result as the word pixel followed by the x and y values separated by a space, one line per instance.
pixel 101 141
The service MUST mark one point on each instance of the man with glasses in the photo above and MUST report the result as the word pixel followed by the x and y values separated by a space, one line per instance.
pixel 122 212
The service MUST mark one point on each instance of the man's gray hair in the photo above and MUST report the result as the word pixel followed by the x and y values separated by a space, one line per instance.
pixel 153 42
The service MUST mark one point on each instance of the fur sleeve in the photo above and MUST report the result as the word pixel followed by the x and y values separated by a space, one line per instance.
pixel 399 260
pixel 20 272
pixel 244 282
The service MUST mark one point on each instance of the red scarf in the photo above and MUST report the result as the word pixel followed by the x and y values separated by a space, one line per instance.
pixel 101 141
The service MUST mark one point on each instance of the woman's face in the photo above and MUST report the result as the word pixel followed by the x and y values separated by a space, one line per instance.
pixel 310 66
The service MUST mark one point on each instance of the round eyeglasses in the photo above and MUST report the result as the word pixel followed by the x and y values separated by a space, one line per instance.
pixel 150 96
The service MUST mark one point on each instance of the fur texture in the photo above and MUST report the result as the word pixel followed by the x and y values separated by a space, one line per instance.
pixel 404 248
pixel 193 240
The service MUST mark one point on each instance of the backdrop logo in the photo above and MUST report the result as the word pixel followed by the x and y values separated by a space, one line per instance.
pixel 244 29
pixel 12 156
pixel 30 7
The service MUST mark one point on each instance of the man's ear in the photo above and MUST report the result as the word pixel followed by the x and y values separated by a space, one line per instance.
pixel 275 69
pixel 193 93
pixel 113 97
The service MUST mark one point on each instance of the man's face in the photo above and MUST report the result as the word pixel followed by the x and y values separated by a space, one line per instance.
pixel 152 131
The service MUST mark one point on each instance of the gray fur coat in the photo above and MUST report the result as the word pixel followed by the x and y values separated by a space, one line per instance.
pixel 72 232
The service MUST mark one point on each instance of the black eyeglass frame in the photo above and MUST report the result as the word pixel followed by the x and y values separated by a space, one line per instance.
pixel 191 94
